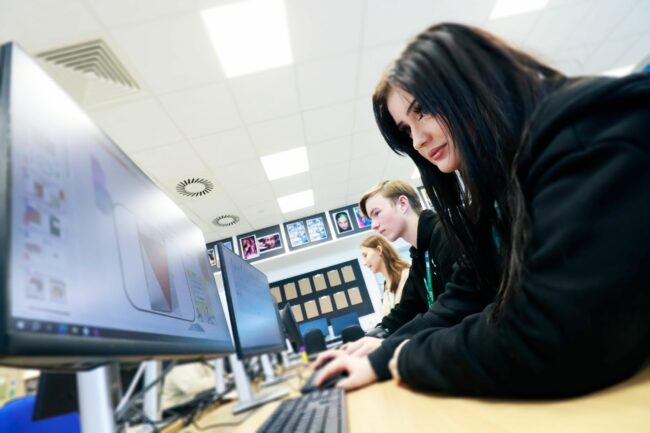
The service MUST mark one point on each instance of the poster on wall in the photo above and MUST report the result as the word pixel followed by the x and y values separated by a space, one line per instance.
pixel 261 244
pixel 213 255
pixel 349 220
pixel 307 231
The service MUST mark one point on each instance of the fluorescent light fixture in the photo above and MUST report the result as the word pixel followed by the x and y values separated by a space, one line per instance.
pixel 296 201
pixel 416 173
pixel 506 8
pixel 620 71
pixel 249 36
pixel 286 163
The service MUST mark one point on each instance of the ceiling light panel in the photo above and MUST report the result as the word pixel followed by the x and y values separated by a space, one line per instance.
pixel 249 36
pixel 287 163
pixel 506 8
pixel 299 200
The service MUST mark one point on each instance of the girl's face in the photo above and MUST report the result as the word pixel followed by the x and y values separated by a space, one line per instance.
pixel 428 134
pixel 371 258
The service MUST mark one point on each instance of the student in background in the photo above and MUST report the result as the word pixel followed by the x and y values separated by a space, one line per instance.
pixel 551 220
pixel 395 210
pixel 380 257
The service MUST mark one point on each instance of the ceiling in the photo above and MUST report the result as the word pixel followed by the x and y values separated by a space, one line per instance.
pixel 189 120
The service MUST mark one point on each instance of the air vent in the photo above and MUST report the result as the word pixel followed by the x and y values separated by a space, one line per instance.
pixel 92 57
pixel 225 220
pixel 194 187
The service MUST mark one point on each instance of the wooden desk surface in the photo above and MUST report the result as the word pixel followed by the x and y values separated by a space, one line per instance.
pixel 389 407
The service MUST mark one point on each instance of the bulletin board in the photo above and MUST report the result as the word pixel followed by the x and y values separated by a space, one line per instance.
pixel 325 293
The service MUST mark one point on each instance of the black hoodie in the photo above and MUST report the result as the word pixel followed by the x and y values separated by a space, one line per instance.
pixel 430 237
pixel 580 319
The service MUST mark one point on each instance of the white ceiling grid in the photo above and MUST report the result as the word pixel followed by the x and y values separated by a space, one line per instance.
pixel 190 121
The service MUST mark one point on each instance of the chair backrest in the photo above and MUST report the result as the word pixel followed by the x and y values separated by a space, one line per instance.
pixel 16 417
pixel 351 333
pixel 314 341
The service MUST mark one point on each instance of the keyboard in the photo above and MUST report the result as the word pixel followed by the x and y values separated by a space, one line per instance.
pixel 321 411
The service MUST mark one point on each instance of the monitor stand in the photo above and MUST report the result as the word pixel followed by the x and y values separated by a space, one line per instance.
pixel 248 400
pixel 269 375
pixel 219 376
pixel 95 403
pixel 152 406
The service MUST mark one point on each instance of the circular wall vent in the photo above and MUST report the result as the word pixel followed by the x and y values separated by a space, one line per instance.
pixel 225 220
pixel 194 187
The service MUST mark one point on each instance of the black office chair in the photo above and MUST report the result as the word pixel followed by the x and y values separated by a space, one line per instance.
pixel 314 342
pixel 351 333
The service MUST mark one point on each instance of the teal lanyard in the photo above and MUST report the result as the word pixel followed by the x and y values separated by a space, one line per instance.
pixel 428 282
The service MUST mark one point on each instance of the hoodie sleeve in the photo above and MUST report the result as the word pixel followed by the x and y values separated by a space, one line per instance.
pixel 580 319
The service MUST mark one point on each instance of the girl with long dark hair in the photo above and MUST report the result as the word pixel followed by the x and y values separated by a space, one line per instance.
pixel 541 183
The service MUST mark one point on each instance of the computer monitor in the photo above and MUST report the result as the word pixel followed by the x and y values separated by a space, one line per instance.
pixel 291 327
pixel 341 322
pixel 97 263
pixel 320 324
pixel 254 316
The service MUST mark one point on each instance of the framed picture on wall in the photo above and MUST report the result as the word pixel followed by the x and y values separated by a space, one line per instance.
pixel 307 231
pixel 362 222
pixel 316 229
pixel 213 257
pixel 248 247
pixel 268 243
pixel 297 233
pixel 342 222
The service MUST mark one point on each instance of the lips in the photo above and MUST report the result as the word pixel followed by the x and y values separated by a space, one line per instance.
pixel 437 152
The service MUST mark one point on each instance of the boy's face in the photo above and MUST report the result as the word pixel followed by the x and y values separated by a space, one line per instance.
pixel 387 218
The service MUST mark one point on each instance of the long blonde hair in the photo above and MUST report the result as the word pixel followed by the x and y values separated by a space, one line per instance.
pixel 393 262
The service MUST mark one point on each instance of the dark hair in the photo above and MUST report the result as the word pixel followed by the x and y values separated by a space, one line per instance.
pixel 483 92
pixel 395 265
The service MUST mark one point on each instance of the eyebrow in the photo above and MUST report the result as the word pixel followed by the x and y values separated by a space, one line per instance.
pixel 410 107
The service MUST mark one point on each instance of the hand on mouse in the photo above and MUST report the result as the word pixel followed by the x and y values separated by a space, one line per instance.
pixel 325 357
pixel 362 347
pixel 360 372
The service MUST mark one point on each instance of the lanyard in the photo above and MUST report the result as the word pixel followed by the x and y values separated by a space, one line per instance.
pixel 428 281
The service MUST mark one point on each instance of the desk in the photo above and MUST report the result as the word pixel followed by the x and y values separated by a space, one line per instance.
pixel 388 407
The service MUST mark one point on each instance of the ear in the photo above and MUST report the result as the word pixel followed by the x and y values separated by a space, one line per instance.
pixel 404 204
pixel 379 250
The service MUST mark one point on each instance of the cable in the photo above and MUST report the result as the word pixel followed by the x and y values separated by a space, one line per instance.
pixel 119 414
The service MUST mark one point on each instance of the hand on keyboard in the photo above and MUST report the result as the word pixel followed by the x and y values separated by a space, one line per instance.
pixel 359 370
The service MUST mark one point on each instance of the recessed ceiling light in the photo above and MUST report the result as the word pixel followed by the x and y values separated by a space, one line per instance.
pixel 249 36
pixel 620 71
pixel 416 173
pixel 287 163
pixel 296 201
pixel 506 8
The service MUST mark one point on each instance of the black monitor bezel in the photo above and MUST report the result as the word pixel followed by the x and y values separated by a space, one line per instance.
pixel 291 329
pixel 351 313
pixel 245 352
pixel 63 352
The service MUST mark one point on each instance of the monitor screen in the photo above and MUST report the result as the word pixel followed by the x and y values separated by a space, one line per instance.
pixel 320 324
pixel 291 327
pixel 254 314
pixel 98 262
pixel 341 322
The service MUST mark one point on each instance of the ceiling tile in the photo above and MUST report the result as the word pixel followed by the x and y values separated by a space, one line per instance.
pixel 398 167
pixel 373 64
pixel 606 56
pixel 473 12
pixel 202 110
pixel 120 12
pixel 225 148
pixel 263 213
pixel 368 167
pixel 331 196
pixel 513 29
pixel 251 195
pixel 171 53
pixel 364 117
pixel 138 125
pixel 174 161
pixel 329 152
pixel 266 95
pixel 368 143
pixel 328 122
pixel 599 20
pixel 327 81
pixel 41 25
pixel 635 22
pixel 553 27
pixel 211 206
pixel 277 135
pixel 359 186
pixel 391 21
pixel 330 174
pixel 241 174
pixel 571 61
pixel 311 24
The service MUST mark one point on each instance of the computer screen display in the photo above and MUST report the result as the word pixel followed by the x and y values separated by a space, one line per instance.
pixel 98 262
pixel 341 322
pixel 320 324
pixel 254 314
